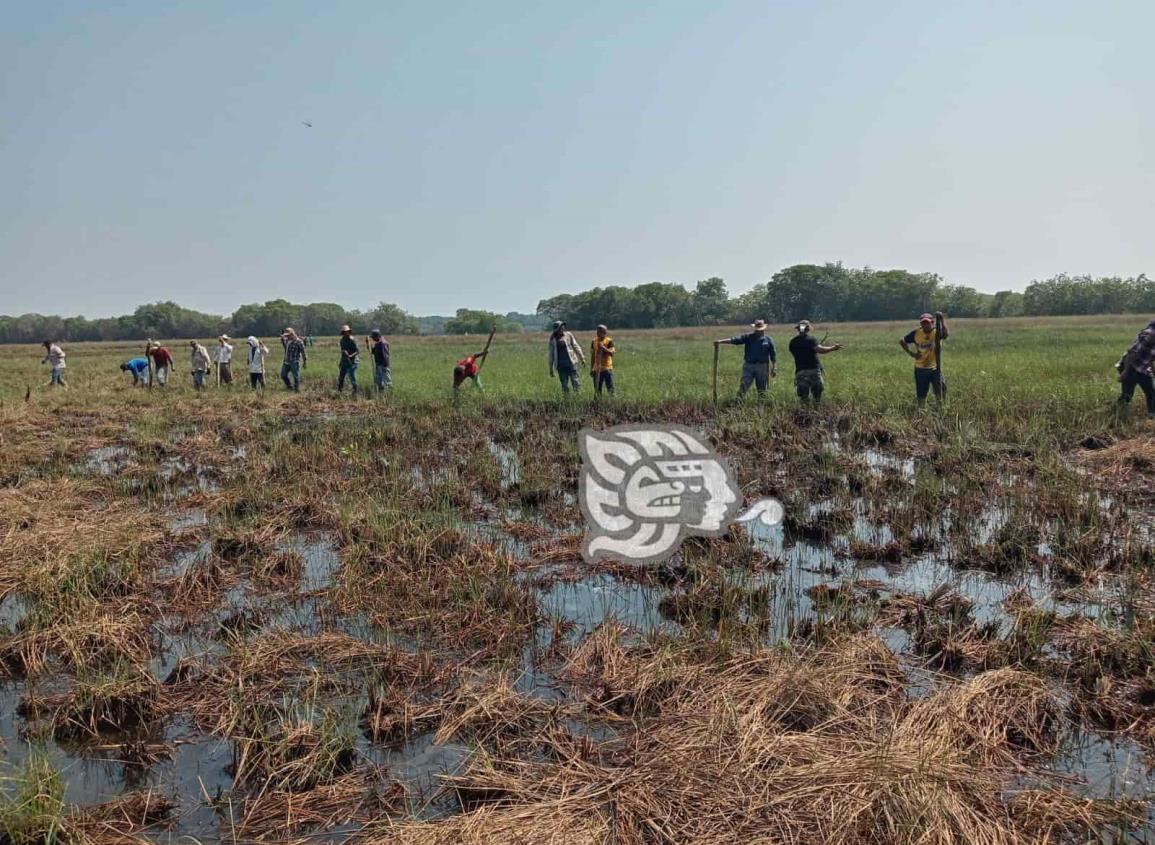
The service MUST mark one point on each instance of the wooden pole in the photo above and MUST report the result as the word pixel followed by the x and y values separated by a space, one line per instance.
pixel 715 374
pixel 148 358
pixel 938 357
pixel 484 352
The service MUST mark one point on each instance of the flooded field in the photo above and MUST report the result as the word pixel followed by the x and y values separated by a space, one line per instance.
pixel 334 626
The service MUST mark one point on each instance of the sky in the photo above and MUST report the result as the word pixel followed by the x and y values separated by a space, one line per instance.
pixel 488 155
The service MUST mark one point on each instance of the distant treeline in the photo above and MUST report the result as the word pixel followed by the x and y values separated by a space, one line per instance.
pixel 169 320
pixel 833 293
pixel 827 292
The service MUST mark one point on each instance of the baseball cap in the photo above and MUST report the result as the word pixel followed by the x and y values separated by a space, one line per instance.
pixel 926 318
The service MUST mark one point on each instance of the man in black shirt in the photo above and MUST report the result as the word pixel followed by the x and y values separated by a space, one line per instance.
pixel 382 374
pixel 349 360
pixel 807 368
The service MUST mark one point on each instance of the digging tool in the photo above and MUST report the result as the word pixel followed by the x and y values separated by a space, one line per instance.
pixel 485 352
pixel 938 356
pixel 148 358
pixel 715 377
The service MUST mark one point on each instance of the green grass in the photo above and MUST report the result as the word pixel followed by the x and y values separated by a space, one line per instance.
pixel 1016 376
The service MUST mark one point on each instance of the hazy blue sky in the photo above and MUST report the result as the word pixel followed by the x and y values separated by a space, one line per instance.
pixel 490 154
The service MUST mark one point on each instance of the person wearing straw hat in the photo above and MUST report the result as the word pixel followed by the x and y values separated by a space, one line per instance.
pixel 295 359
pixel 350 355
pixel 807 368
pixel 922 345
pixel 223 358
pixel 760 358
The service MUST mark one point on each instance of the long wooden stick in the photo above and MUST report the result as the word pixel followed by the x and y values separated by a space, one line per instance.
pixel 715 374
pixel 148 358
pixel 938 357
pixel 484 352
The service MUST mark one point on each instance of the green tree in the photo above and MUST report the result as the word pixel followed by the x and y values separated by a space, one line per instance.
pixel 469 321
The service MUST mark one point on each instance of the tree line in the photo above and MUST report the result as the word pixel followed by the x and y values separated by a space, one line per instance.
pixel 826 292
pixel 833 293
pixel 169 320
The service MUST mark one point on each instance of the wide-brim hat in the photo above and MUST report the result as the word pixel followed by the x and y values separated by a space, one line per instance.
pixel 345 329
pixel 758 325
pixel 803 326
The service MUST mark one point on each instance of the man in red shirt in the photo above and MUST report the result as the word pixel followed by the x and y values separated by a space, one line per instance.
pixel 468 368
pixel 162 363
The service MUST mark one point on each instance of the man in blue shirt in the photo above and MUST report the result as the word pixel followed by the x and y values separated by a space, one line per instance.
pixel 760 363
pixel 139 369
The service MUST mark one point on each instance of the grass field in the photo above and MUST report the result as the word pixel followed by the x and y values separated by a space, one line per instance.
pixel 278 618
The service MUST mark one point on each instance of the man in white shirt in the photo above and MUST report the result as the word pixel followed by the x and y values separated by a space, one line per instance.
pixel 257 354
pixel 223 357
pixel 55 355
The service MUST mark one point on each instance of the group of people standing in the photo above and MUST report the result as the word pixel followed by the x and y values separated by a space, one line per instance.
pixel 566 360
pixel 157 362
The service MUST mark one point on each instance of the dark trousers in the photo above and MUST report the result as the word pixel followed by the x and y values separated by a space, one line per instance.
pixel 293 370
pixel 924 380
pixel 570 380
pixel 257 380
pixel 1132 378
pixel 349 370
pixel 604 379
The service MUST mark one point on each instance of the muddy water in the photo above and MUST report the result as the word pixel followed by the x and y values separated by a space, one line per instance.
pixel 195 772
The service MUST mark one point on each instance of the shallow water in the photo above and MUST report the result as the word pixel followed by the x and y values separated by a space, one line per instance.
pixel 1104 766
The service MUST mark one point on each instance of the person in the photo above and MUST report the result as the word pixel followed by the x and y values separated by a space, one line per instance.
pixel 382 375
pixel 468 368
pixel 349 358
pixel 920 345
pixel 200 364
pixel 807 368
pixel 602 351
pixel 760 358
pixel 223 355
pixel 257 354
pixel 1137 369
pixel 295 359
pixel 139 369
pixel 565 354
pixel 162 363
pixel 54 355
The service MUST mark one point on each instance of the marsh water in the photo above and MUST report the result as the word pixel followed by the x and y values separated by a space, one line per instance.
pixel 794 588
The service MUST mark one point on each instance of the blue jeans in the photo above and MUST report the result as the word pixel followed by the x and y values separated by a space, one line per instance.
pixel 198 379
pixel 293 370
pixel 382 377
pixel 604 379
pixel 569 377
pixel 348 369
pixel 57 376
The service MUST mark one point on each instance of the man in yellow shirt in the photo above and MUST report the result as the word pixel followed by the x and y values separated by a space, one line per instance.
pixel 602 361
pixel 921 345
